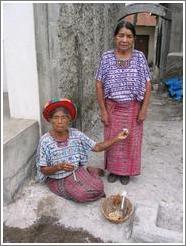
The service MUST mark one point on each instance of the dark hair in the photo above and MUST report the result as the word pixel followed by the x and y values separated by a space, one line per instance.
pixel 65 111
pixel 125 24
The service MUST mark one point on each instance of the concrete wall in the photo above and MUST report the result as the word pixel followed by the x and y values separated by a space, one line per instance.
pixel 141 30
pixel 176 42
pixel 70 38
pixel 20 71
pixel 20 82
pixel 19 148
pixel 174 65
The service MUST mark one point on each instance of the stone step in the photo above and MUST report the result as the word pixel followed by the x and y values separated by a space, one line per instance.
pixel 147 230
pixel 20 139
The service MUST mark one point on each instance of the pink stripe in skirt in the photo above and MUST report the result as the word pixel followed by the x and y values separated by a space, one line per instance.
pixel 88 187
pixel 124 158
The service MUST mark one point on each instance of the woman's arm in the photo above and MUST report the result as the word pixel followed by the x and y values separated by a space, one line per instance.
pixel 101 102
pixel 145 104
pixel 108 143
pixel 46 170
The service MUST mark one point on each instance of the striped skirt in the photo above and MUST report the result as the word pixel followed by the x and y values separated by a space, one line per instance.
pixel 124 158
pixel 88 187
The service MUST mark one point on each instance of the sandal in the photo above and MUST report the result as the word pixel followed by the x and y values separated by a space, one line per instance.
pixel 124 179
pixel 112 178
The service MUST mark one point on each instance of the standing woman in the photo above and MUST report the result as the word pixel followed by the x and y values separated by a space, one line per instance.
pixel 123 90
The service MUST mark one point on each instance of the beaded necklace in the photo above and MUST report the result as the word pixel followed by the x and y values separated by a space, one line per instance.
pixel 122 62
pixel 60 142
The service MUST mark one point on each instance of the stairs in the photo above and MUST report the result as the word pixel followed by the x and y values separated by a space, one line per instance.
pixel 20 139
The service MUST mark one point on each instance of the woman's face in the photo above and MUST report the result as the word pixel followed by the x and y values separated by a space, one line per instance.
pixel 124 40
pixel 60 121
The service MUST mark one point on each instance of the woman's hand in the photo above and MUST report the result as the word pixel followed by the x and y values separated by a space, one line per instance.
pixel 122 135
pixel 65 166
pixel 48 170
pixel 105 118
pixel 108 143
pixel 141 116
pixel 143 111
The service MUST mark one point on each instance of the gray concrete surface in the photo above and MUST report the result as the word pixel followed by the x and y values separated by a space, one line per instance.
pixel 20 139
pixel 19 146
pixel 157 193
pixel 147 230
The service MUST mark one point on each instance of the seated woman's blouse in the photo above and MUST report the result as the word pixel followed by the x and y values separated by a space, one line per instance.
pixel 123 83
pixel 73 151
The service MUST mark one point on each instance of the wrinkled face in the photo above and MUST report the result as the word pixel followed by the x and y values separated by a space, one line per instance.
pixel 60 121
pixel 124 40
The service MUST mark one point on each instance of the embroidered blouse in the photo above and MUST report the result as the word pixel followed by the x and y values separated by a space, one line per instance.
pixel 123 83
pixel 73 151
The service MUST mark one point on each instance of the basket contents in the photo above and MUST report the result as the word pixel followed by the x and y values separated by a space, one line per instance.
pixel 111 208
pixel 116 200
pixel 115 215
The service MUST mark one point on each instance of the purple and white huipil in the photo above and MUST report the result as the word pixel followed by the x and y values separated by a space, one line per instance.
pixel 123 84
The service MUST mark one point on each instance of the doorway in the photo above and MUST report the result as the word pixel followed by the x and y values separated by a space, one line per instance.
pixel 142 44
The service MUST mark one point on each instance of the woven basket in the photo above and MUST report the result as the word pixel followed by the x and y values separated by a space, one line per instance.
pixel 107 207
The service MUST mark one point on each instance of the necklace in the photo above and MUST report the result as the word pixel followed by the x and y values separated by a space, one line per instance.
pixel 60 141
pixel 61 144
pixel 123 62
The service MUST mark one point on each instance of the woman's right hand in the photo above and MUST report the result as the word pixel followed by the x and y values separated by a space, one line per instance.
pixel 105 118
pixel 124 134
pixel 65 166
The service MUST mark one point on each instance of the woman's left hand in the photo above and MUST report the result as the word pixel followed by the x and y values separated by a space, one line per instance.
pixel 65 166
pixel 141 116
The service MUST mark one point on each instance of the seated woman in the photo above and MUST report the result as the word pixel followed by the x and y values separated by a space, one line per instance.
pixel 63 151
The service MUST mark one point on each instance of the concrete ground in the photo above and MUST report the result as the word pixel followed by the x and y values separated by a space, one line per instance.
pixel 157 192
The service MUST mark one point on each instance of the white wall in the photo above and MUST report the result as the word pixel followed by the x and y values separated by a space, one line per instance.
pixel 20 60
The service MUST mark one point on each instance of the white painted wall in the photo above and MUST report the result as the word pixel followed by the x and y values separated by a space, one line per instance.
pixel 20 60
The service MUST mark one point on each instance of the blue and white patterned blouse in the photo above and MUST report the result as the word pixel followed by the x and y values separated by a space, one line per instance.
pixel 73 151
pixel 123 84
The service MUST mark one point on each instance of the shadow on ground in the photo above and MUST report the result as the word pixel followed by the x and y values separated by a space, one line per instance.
pixel 46 230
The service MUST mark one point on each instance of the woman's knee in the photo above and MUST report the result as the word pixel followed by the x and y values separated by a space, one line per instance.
pixel 89 194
